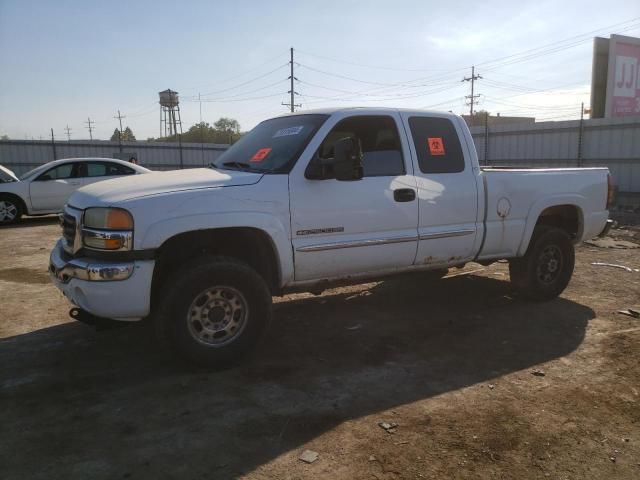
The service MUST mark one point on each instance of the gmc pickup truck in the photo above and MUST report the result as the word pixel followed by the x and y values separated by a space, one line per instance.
pixel 306 201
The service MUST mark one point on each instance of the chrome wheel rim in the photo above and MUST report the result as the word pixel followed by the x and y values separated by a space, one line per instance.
pixel 8 211
pixel 550 264
pixel 217 315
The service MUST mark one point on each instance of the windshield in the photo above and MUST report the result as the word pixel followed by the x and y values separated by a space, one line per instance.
pixel 6 175
pixel 273 145
pixel 31 172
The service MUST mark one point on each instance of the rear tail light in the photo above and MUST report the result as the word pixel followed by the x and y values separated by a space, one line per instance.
pixel 611 192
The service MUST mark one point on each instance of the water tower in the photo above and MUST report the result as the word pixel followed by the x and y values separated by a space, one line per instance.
pixel 169 113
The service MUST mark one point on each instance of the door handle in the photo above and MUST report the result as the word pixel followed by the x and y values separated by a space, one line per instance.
pixel 404 195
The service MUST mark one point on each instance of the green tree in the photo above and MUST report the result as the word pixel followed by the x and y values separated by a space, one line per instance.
pixel 128 135
pixel 116 135
pixel 227 125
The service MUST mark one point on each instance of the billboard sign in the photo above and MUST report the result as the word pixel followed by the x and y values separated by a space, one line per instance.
pixel 623 79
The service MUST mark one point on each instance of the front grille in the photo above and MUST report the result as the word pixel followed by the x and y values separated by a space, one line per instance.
pixel 68 229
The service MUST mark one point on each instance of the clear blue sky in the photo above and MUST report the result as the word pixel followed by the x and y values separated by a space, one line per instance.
pixel 64 61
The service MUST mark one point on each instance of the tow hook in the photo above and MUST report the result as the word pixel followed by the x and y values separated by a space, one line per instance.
pixel 100 323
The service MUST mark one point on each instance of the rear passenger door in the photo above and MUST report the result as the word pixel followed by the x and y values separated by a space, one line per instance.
pixel 447 190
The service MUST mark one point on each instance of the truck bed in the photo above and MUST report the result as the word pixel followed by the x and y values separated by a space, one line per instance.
pixel 515 197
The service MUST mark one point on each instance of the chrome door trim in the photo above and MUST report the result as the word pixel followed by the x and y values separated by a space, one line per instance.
pixel 450 233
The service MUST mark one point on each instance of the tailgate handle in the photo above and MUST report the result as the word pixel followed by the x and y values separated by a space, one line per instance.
pixel 404 195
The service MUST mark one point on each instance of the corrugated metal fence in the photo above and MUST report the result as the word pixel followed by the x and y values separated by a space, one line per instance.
pixel 23 155
pixel 612 143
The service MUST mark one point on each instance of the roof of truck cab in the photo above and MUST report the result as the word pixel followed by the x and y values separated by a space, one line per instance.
pixel 331 111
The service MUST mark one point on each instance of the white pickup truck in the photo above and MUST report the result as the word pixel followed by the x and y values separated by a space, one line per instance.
pixel 303 202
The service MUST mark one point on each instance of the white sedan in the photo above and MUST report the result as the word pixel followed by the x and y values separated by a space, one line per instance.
pixel 46 188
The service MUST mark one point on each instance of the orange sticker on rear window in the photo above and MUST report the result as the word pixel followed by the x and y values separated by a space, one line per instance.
pixel 436 145
pixel 261 155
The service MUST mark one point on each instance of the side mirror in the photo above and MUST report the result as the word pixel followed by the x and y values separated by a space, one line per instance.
pixel 345 165
pixel 347 159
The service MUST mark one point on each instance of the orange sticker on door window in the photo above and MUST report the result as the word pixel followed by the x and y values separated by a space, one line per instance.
pixel 436 145
pixel 261 155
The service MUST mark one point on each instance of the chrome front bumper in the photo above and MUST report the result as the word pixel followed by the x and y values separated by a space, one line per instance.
pixel 86 269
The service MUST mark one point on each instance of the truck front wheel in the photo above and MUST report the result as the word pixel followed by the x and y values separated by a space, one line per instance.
pixel 214 312
pixel 545 270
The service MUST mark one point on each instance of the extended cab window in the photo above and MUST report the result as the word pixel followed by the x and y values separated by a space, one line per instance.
pixel 272 146
pixel 437 145
pixel 378 136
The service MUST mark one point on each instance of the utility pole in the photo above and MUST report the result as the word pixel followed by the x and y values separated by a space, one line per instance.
pixel 580 134
pixel 120 117
pixel 68 130
pixel 292 92
pixel 472 97
pixel 90 128
pixel 201 132
pixel 53 144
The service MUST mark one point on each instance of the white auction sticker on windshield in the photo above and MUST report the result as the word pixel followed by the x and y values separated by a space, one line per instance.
pixel 283 132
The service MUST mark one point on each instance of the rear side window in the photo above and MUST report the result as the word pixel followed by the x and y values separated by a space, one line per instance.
pixel 106 169
pixel 437 145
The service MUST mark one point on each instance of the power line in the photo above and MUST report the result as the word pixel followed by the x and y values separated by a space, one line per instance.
pixel 234 77
pixel 240 84
pixel 68 130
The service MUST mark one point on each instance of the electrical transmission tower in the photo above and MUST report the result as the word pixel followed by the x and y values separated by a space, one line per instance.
pixel 472 98
pixel 89 127
pixel 68 130
pixel 292 105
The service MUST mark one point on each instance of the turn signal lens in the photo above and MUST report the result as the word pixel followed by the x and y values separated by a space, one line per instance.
pixel 108 219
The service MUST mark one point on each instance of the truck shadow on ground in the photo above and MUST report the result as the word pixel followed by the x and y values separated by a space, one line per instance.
pixel 26 222
pixel 108 405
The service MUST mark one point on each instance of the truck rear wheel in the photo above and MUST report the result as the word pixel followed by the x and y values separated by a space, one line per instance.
pixel 545 270
pixel 214 312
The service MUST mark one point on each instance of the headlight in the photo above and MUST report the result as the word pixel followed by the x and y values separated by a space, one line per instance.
pixel 107 229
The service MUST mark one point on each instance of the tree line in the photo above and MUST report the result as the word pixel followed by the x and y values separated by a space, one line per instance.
pixel 225 130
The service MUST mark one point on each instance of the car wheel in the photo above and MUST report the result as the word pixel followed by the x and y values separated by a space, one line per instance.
pixel 214 312
pixel 10 210
pixel 545 270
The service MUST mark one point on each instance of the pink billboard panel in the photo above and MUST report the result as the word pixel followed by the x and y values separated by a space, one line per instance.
pixel 625 94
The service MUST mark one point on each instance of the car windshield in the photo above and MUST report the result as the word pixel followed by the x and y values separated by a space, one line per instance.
pixel 30 172
pixel 272 146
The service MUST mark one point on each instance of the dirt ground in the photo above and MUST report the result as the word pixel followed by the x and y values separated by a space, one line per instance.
pixel 481 384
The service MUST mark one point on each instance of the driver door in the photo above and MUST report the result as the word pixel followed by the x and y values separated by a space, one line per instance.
pixel 340 228
pixel 50 191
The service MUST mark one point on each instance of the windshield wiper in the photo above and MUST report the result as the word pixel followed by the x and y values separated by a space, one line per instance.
pixel 239 166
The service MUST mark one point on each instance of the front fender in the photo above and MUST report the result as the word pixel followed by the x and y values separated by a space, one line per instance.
pixel 578 201
pixel 159 232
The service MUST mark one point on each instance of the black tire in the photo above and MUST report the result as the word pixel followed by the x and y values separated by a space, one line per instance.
pixel 196 317
pixel 10 210
pixel 545 270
